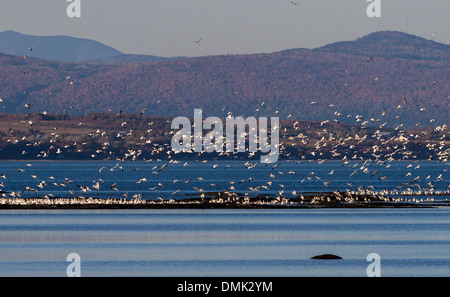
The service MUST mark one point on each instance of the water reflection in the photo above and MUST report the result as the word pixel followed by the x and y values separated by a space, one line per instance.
pixel 224 242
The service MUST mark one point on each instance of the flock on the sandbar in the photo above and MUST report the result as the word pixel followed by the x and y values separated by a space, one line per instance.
pixel 398 143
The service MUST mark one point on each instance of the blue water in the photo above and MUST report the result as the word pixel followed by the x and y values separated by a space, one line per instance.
pixel 410 242
pixel 176 180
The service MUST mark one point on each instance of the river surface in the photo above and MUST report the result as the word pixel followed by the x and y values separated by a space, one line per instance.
pixel 410 242
pixel 231 242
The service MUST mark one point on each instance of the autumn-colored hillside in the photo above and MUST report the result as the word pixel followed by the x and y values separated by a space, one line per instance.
pixel 386 79
pixel 111 136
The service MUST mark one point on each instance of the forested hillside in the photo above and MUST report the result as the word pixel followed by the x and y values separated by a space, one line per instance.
pixel 386 78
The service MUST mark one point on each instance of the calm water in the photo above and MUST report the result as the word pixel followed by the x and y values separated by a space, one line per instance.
pixel 410 242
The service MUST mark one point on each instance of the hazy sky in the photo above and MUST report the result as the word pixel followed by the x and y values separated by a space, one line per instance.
pixel 170 27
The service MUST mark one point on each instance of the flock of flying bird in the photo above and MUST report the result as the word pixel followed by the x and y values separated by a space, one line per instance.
pixel 239 191
pixel 386 150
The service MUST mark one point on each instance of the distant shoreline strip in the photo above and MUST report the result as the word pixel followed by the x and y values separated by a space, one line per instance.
pixel 311 202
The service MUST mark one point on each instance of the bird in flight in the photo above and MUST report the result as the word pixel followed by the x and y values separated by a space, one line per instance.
pixel 198 41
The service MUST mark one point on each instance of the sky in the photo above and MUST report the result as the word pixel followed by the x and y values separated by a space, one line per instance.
pixel 170 27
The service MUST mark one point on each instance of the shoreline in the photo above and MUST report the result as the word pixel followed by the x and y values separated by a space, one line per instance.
pixel 309 202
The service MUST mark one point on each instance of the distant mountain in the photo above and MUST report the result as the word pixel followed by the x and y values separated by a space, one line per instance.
pixel 391 44
pixel 68 49
pixel 132 58
pixel 56 48
pixel 386 78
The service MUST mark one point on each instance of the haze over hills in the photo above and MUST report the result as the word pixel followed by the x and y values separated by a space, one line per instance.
pixel 388 78
pixel 57 48
pixel 131 58
pixel 66 48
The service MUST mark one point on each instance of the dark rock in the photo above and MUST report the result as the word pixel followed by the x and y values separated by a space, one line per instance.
pixel 326 257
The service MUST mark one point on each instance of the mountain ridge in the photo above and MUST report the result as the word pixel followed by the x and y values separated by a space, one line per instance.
pixel 397 89
pixel 55 48
pixel 400 46
pixel 67 49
